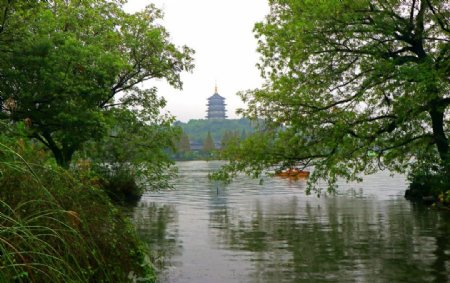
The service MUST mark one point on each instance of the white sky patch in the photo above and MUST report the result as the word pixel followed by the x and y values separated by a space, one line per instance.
pixel 220 31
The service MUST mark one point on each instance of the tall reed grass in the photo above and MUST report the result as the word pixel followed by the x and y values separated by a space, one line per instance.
pixel 57 227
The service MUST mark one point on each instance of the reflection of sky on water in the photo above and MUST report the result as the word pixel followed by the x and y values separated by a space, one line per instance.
pixel 246 232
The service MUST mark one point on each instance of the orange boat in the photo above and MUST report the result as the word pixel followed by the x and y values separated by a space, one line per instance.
pixel 293 173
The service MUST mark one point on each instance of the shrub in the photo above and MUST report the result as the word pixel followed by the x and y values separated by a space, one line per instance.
pixel 121 186
pixel 58 228
pixel 428 185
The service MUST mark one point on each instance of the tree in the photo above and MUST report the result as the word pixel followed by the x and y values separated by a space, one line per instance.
pixel 231 137
pixel 135 147
pixel 226 138
pixel 208 144
pixel 184 144
pixel 243 135
pixel 351 87
pixel 198 129
pixel 65 63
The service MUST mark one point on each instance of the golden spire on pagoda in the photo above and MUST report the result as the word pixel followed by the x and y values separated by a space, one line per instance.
pixel 215 88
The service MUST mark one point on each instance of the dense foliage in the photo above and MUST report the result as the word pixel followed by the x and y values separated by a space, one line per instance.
pixel 58 226
pixel 205 139
pixel 133 156
pixel 65 63
pixel 197 130
pixel 352 87
pixel 208 144
pixel 70 78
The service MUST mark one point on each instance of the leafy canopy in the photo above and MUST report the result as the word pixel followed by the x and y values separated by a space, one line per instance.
pixel 64 63
pixel 351 87
pixel 136 145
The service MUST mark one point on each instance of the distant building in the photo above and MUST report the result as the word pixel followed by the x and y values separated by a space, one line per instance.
pixel 216 107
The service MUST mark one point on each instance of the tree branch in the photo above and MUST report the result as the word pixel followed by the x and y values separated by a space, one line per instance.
pixel 41 139
pixel 411 13
pixel 5 15
pixel 405 142
pixel 439 20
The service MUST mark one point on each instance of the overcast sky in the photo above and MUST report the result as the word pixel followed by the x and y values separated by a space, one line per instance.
pixel 220 31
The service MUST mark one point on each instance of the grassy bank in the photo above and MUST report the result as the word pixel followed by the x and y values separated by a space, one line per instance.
pixel 57 226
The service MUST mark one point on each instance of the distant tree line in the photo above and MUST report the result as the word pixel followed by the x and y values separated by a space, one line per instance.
pixel 203 139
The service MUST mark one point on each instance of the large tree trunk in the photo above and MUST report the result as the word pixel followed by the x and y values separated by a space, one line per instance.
pixel 437 119
pixel 426 186
pixel 63 155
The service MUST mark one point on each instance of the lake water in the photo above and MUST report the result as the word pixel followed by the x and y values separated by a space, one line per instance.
pixel 274 232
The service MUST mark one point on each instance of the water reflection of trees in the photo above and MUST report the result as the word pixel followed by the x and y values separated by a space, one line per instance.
pixel 337 240
pixel 156 227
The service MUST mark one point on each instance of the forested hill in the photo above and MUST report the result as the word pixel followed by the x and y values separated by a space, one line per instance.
pixel 197 130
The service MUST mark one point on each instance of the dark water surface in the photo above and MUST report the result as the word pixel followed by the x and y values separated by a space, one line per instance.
pixel 247 232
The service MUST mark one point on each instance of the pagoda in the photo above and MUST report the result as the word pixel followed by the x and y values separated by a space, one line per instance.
pixel 216 106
